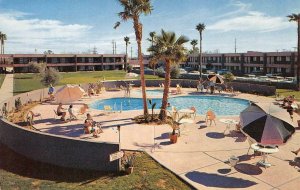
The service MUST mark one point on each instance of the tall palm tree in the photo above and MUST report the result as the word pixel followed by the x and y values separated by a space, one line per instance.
pixel 152 36
pixel 132 11
pixel 3 37
pixel 151 39
pixel 194 43
pixel 200 27
pixel 126 39
pixel 170 49
pixel 296 18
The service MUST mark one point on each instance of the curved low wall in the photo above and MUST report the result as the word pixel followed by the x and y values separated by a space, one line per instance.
pixel 57 150
pixel 53 149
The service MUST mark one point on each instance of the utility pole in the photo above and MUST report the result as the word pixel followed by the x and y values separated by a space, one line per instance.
pixel 113 46
pixel 131 52
pixel 234 45
pixel 94 50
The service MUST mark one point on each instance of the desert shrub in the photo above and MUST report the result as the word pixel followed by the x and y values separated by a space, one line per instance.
pixel 175 72
pixel 50 76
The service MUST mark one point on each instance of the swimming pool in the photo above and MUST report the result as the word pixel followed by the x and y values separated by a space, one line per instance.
pixel 220 105
pixel 156 92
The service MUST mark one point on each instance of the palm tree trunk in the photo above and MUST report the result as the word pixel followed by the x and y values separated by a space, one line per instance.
pixel 126 57
pixel 138 33
pixel 164 103
pixel 200 56
pixel 298 57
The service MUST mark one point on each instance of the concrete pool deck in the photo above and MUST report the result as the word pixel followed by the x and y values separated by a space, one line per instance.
pixel 199 156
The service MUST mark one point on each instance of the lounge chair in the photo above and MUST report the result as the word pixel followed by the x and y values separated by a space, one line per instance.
pixel 210 116
pixel 178 89
pixel 83 109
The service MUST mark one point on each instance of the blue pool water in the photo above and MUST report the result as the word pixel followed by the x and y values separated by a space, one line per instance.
pixel 150 92
pixel 220 105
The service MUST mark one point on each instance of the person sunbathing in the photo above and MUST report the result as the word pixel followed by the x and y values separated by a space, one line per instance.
pixel 71 113
pixel 61 112
pixel 91 91
pixel 83 109
pixel 30 117
pixel 90 126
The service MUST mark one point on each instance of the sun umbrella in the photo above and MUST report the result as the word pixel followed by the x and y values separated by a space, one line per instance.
pixel 215 78
pixel 68 93
pixel 267 123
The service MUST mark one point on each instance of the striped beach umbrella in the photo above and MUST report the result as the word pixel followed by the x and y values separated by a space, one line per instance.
pixel 68 93
pixel 267 123
pixel 215 78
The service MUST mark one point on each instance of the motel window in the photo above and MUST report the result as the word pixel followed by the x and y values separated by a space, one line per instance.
pixel 288 58
pixel 278 58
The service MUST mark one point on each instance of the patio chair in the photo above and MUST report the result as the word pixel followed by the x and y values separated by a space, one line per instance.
pixel 195 112
pixel 251 141
pixel 210 116
pixel 108 109
pixel 55 114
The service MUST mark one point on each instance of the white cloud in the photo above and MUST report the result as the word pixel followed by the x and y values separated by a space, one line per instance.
pixel 29 33
pixel 251 21
pixel 238 7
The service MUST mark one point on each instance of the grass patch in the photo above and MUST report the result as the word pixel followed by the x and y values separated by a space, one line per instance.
pixel 288 92
pixel 18 172
pixel 2 76
pixel 28 82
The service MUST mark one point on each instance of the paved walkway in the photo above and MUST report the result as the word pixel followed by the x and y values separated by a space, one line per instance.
pixel 201 153
pixel 7 88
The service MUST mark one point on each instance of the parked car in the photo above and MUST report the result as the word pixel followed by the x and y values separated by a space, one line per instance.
pixel 194 73
pixel 182 71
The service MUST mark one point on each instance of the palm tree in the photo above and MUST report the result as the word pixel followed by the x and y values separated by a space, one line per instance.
pixel 132 11
pixel 194 43
pixel 296 18
pixel 200 27
pixel 151 39
pixel 171 50
pixel 126 39
pixel 3 37
pixel 152 36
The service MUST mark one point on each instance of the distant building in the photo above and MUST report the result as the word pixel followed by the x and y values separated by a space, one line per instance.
pixel 64 62
pixel 250 62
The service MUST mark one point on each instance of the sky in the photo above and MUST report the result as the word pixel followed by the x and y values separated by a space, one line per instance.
pixel 77 26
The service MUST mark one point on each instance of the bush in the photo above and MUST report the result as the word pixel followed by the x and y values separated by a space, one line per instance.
pixel 175 72
pixel 228 77
pixel 37 67
pixel 160 71
pixel 129 68
pixel 50 76
pixel 18 104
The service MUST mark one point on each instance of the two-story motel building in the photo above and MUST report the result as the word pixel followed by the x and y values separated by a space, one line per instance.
pixel 243 63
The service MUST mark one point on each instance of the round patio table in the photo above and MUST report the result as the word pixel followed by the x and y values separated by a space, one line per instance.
pixel 265 152
pixel 229 123
pixel 188 112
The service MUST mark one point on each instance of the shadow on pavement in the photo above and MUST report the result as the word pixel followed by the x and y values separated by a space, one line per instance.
pixel 216 180
pixel 215 135
pixel 20 165
pixel 163 136
pixel 248 169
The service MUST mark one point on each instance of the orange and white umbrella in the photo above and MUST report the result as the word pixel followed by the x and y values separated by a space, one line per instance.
pixel 215 78
pixel 68 93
